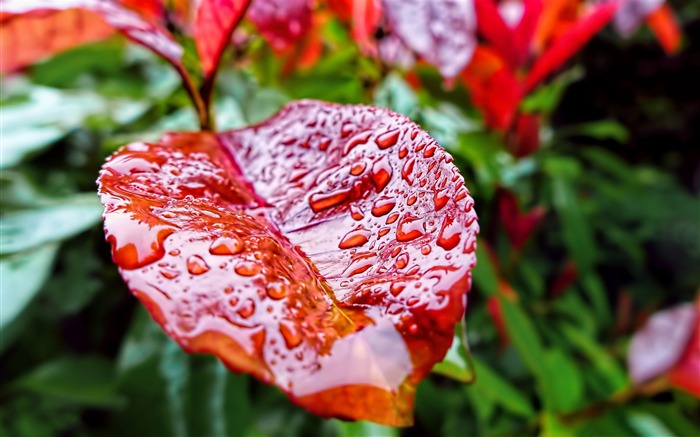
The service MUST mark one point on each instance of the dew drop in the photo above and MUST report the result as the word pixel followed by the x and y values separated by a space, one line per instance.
pixel 247 309
pixel 226 246
pixel 196 265
pixel 429 151
pixel 247 268
pixel 392 218
pixel 383 206
pixel 407 171
pixel 409 228
pixel 383 231
pixel 402 261
pixel 381 173
pixel 440 199
pixel 356 237
pixel 356 213
pixel 425 250
pixel 357 168
pixel 396 288
pixel 355 141
pixel 321 201
pixel 403 151
pixel 291 335
pixel 276 290
pixel 388 139
pixel 411 200
pixel 449 236
pixel 169 273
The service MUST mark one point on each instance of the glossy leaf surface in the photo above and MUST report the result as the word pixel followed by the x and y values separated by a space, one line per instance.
pixel 330 256
pixel 281 22
pixel 39 21
pixel 442 33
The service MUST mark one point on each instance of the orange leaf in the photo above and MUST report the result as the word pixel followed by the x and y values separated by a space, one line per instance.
pixel 301 251
pixel 664 25
pixel 26 39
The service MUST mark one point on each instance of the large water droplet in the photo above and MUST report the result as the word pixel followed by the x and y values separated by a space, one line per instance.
pixel 381 173
pixel 440 199
pixel 449 236
pixel 247 268
pixel 276 290
pixel 320 201
pixel 247 308
pixel 409 228
pixel 407 171
pixel 355 141
pixel 357 168
pixel 291 335
pixel 388 138
pixel 356 213
pixel 196 265
pixel 383 206
pixel 356 237
pixel 226 246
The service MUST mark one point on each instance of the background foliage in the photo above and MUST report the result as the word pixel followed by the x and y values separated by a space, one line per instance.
pixel 616 183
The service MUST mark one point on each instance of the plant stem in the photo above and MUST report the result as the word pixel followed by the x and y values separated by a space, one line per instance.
pixel 205 121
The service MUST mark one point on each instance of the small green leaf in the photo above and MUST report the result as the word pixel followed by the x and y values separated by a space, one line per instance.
pixel 484 273
pixel 565 380
pixel 490 385
pixel 364 429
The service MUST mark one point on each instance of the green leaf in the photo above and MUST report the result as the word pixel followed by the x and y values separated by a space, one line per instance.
pixel 553 427
pixel 648 425
pixel 484 273
pixel 61 219
pixel 455 365
pixel 22 276
pixel 490 385
pixel 364 429
pixel 600 130
pixel 565 380
pixel 394 93
pixel 85 380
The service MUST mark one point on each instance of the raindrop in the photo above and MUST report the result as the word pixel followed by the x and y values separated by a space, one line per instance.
pixel 383 206
pixel 196 265
pixel 388 139
pixel 226 246
pixel 356 237
pixel 247 268
pixel 409 228
pixel 449 236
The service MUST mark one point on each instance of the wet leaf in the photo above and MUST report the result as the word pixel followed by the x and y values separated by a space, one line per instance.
pixel 442 33
pixel 330 258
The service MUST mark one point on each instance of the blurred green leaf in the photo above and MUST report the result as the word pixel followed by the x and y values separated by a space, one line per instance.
pixel 600 130
pixel 484 273
pixel 565 380
pixel 364 429
pixel 54 221
pixel 394 93
pixel 86 380
pixel 490 385
pixel 21 277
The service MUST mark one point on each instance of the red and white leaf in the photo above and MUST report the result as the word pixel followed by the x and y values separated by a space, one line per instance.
pixel 214 23
pixel 327 251
pixel 281 22
pixel 442 33
pixel 43 17
pixel 659 345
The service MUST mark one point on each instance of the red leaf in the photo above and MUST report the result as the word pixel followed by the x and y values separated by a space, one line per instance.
pixel 330 258
pixel 525 139
pixel 518 226
pixel 281 22
pixel 659 345
pixel 556 15
pixel 152 10
pixel 525 32
pixel 494 88
pixel 569 43
pixel 565 279
pixel 43 17
pixel 664 25
pixel 442 33
pixel 364 16
pixel 213 26
pixel 495 30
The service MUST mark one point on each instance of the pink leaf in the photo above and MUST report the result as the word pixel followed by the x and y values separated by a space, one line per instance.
pixel 442 33
pixel 658 346
pixel 327 251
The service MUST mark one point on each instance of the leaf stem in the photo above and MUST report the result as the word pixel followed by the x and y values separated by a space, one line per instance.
pixel 203 113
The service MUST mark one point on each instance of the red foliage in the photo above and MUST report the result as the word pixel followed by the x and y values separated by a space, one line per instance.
pixel 281 22
pixel 685 374
pixel 213 26
pixel 327 251
pixel 518 225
